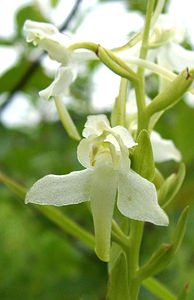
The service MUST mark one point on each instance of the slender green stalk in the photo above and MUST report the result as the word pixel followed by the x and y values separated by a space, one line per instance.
pixel 155 68
pixel 144 45
pixel 116 231
pixel 137 38
pixel 140 88
pixel 157 12
pixel 84 45
pixel 158 289
pixel 142 114
pixel 136 233
pixel 66 119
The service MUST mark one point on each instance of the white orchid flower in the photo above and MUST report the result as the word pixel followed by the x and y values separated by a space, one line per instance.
pixel 56 44
pixel 167 36
pixel 104 154
pixel 163 149
pixel 166 55
pixel 47 37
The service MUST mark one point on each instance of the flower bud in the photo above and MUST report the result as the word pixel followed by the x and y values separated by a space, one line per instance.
pixel 171 186
pixel 115 63
pixel 171 95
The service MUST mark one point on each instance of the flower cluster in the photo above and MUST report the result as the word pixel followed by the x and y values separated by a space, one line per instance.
pixel 108 181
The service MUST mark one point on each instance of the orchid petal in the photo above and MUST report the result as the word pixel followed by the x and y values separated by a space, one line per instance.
pixel 180 57
pixel 61 190
pixel 48 38
pixel 62 81
pixel 37 30
pixel 137 199
pixel 83 152
pixel 163 149
pixel 114 142
pixel 95 125
pixel 103 193
pixel 125 136
pixel 175 57
pixel 55 50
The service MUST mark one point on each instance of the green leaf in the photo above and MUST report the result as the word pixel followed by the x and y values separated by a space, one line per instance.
pixel 115 253
pixel 180 230
pixel 157 262
pixel 158 179
pixel 118 280
pixel 142 159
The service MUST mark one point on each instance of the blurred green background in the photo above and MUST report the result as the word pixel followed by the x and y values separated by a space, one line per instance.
pixel 37 260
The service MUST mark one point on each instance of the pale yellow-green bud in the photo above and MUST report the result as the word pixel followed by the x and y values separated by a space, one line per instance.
pixel 171 95
pixel 114 63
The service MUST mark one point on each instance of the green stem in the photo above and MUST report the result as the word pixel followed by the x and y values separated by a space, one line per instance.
pixel 137 38
pixel 153 67
pixel 66 119
pixel 84 45
pixel 157 12
pixel 122 239
pixel 136 233
pixel 144 45
pixel 142 114
pixel 140 85
pixel 158 289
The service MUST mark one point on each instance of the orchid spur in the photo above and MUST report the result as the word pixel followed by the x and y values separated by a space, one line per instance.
pixel 104 153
